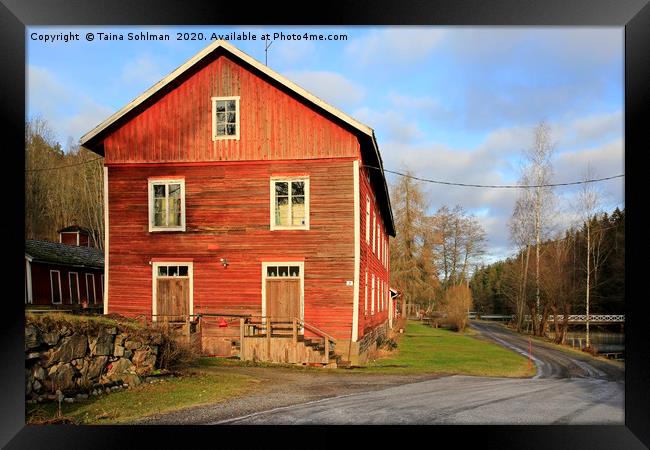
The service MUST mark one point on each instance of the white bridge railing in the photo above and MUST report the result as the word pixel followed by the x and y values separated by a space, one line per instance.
pixel 582 318
pixel 573 318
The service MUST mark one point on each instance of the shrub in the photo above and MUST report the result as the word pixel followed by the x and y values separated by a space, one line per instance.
pixel 457 300
pixel 174 353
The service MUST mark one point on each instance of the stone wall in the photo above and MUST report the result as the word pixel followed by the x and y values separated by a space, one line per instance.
pixel 85 356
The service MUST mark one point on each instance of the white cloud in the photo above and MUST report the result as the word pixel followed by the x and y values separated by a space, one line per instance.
pixel 69 112
pixel 401 44
pixel 493 162
pixel 332 87
pixel 393 124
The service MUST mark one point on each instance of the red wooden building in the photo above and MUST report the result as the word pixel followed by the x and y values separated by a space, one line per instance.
pixel 231 190
pixel 63 276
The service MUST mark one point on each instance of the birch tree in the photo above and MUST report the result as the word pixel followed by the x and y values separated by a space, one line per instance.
pixel 538 170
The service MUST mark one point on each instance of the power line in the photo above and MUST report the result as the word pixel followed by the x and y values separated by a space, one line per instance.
pixel 497 186
pixel 63 167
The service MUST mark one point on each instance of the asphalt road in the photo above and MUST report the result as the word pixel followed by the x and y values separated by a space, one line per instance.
pixel 568 389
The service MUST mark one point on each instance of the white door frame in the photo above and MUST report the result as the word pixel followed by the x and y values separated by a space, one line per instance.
pixel 300 264
pixel 154 277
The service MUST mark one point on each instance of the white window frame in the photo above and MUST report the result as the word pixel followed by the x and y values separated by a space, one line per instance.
pixel 365 303
pixel 372 297
pixel 367 220
pixel 78 290
pixel 92 275
pixel 300 264
pixel 374 232
pixel 214 119
pixel 166 182
pixel 154 285
pixel 379 242
pixel 275 179
pixel 58 275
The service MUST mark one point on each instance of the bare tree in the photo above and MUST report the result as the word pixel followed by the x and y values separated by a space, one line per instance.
pixel 461 240
pixel 538 171
pixel 61 188
pixel 408 206
pixel 589 200
pixel 522 231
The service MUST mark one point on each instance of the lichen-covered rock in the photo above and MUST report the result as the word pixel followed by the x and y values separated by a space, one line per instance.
pixel 95 366
pixel 123 370
pixel 144 361
pixel 132 345
pixel 32 337
pixel 70 348
pixel 61 377
pixel 102 345
pixel 51 338
pixel 32 355
pixel 119 339
pixel 38 372
pixel 118 350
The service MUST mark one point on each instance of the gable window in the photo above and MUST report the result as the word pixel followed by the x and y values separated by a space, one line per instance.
pixel 225 118
pixel 167 205
pixel 290 203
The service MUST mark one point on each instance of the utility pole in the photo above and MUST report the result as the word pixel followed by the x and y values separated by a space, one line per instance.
pixel 588 272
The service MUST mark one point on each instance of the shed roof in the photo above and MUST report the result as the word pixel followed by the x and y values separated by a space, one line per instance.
pixel 69 255
pixel 93 140
pixel 73 228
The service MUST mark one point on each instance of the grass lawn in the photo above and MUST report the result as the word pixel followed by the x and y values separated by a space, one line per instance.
pixel 196 388
pixel 423 349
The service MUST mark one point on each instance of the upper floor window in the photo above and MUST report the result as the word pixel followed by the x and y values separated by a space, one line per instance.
pixel 290 203
pixel 225 118
pixel 367 220
pixel 374 234
pixel 167 205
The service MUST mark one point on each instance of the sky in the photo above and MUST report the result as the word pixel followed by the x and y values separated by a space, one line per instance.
pixel 453 104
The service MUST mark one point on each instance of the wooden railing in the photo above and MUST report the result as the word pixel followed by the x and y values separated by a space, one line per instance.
pixel 264 326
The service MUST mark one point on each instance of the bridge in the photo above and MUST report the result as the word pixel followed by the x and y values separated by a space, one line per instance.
pixel 573 318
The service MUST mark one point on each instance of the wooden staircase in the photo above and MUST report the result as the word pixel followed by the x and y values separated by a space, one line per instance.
pixel 318 345
pixel 282 340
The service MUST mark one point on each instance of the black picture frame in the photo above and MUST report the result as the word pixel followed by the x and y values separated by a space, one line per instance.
pixel 634 15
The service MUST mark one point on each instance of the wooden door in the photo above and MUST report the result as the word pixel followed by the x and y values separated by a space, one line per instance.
pixel 283 299
pixel 172 298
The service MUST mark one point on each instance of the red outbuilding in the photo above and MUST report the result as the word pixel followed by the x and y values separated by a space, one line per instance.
pixel 63 276
pixel 232 191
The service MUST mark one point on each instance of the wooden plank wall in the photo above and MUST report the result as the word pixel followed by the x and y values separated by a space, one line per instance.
pixel 370 260
pixel 228 216
pixel 274 125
